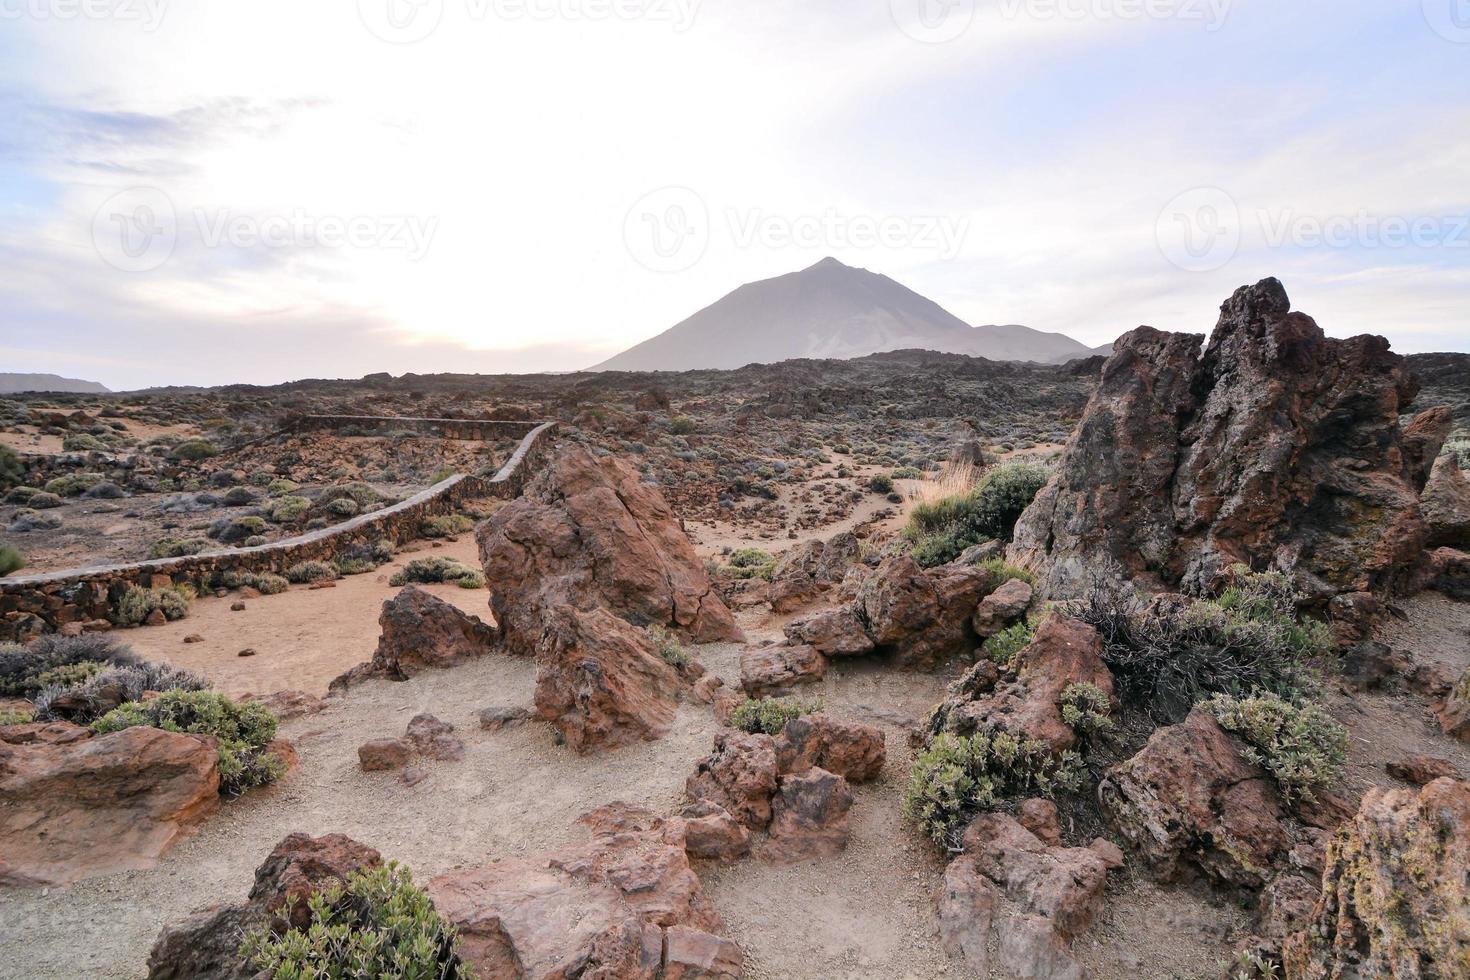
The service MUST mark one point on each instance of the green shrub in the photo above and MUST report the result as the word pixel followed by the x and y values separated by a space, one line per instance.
pixel 1165 659
pixel 20 494
pixel 266 583
pixel 379 925
pixel 445 525
pixel 364 558
pixel 748 563
pixel 41 500
pixel 343 507
pixel 194 450
pixel 137 603
pixel 16 716
pixel 10 560
pixel 769 716
pixel 71 485
pixel 21 664
pixel 682 425
pixel 1005 646
pixel 239 497
pixel 290 508
pixel 956 776
pixel 437 569
pixel 1002 573
pixel 12 470
pixel 178 547
pixel 280 487
pixel 1299 744
pixel 82 690
pixel 242 731
pixel 907 473
pixel 82 442
pixel 472 580
pixel 670 650
pixel 880 484
pixel 942 529
pixel 311 571
pixel 1087 710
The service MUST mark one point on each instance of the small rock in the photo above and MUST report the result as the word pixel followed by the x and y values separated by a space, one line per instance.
pixel 383 753
pixel 1040 817
pixel 237 606
pixel 775 670
pixel 247 652
pixel 429 736
pixel 1111 853
pixel 809 817
pixel 413 775
pixel 1420 770
pixel 710 832
pixel 155 618
pixel 496 719
pixel 193 638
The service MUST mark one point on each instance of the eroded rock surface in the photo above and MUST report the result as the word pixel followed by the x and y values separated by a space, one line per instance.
pixel 422 631
pixel 853 751
pixel 1446 504
pixel 1276 446
pixel 740 776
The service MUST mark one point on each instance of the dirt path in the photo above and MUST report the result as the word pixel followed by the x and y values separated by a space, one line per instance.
pixel 302 638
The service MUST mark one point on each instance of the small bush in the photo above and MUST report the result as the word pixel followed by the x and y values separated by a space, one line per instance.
pixel 438 569
pixel 20 665
pixel 1167 659
pixel 238 497
pixel 177 547
pixel 670 650
pixel 1002 573
pixel 137 603
pixel 42 500
pixel 445 525
pixel 10 560
pixel 748 563
pixel 311 571
pixel 89 692
pixel 83 442
pixel 957 776
pixel 769 716
pixel 242 730
pixel 343 507
pixel 71 485
pixel 12 470
pixel 364 558
pixel 280 487
pixel 1005 646
pixel 16 716
pixel 194 450
pixel 266 583
pixel 942 529
pixel 379 925
pixel 682 425
pixel 907 473
pixel 1300 745
pixel 880 484
pixel 1087 710
pixel 290 508
pixel 231 530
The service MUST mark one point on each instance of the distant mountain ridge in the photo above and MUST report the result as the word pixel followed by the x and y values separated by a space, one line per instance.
pixel 11 384
pixel 830 310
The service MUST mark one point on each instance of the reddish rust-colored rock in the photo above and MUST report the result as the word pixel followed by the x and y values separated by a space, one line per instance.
pixel 421 631
pixel 589 531
pixel 428 736
pixel 1063 652
pixel 207 942
pixel 600 682
pixel 738 775
pixel 1001 608
pixel 1454 713
pixel 810 569
pixel 1446 505
pixel 1189 796
pixel 607 909
pixel 853 751
pixel 776 670
pixel 1420 770
pixel 710 832
pixel 832 632
pixel 693 954
pixel 1274 446
pixel 383 753
pixel 77 808
pixel 1395 899
pixel 922 616
pixel 1039 816
pixel 809 817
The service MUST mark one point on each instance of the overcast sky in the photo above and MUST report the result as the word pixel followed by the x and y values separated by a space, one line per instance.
pixel 208 192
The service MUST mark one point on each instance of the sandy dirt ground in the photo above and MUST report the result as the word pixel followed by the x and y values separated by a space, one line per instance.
pixel 302 638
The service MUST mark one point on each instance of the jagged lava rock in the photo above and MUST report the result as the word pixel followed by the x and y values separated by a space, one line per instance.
pixel 1446 504
pixel 75 808
pixel 831 632
pixel 809 817
pixel 738 775
pixel 422 631
pixel 1277 446
pixel 774 670
pixel 605 537
pixel 922 616
pixel 853 751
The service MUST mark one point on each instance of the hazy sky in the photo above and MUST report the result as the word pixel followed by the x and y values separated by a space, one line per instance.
pixel 262 190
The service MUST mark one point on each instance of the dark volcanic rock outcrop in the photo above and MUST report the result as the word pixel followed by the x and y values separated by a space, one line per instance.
pixel 1276 446
pixel 590 532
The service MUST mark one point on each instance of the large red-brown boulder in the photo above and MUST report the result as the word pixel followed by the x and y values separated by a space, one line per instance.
pixel 591 532
pixel 1446 504
pixel 853 751
pixel 810 569
pixel 775 670
pixel 1276 446
pixel 922 616
pixel 1028 702
pixel 833 632
pixel 1395 896
pixel 422 631
pixel 1189 796
pixel 809 817
pixel 73 809
pixel 627 904
pixel 207 943
pixel 600 680
pixel 739 775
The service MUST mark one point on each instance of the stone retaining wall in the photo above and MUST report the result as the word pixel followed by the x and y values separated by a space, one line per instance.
pixel 478 429
pixel 43 602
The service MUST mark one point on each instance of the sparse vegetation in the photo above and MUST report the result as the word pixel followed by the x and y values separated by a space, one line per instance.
pixel 178 547
pixel 12 470
pixel 243 731
pixel 266 583
pixel 670 650
pixel 379 925
pixel 1005 646
pixel 769 716
pixel 138 603
pixel 1087 710
pixel 445 525
pixel 16 716
pixel 11 560
pixel 941 529
pixel 71 485
pixel 957 776
pixel 1298 743
pixel 194 450
pixel 311 571
pixel 747 563
pixel 438 569
pixel 290 508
